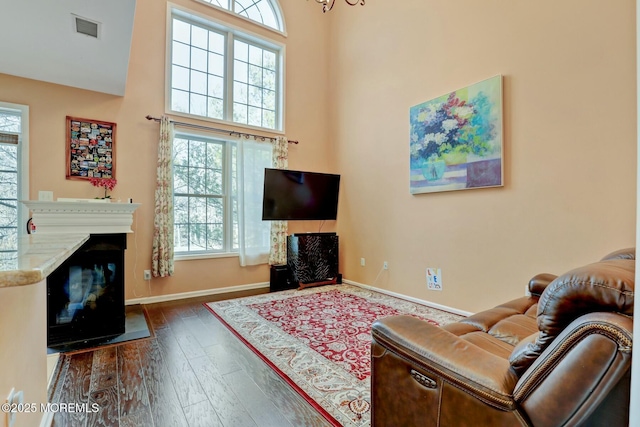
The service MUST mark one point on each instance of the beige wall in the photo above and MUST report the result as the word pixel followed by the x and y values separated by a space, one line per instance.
pixel 569 119
pixel 352 74
pixel 23 343
pixel 306 107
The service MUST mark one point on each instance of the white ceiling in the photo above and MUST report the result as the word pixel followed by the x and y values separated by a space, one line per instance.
pixel 38 41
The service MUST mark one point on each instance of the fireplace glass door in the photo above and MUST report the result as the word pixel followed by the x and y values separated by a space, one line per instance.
pixel 85 295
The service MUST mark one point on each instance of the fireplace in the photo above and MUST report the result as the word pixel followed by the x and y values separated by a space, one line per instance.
pixel 85 295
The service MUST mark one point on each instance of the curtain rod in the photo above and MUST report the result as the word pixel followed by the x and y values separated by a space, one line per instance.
pixel 230 132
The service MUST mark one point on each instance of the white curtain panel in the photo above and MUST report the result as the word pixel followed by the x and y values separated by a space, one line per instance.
pixel 162 251
pixel 254 234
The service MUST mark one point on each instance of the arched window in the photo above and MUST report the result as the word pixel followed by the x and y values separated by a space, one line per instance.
pixel 265 12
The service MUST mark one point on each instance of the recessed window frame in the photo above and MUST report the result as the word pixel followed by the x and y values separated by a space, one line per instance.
pixel 22 163
pixel 230 247
pixel 232 33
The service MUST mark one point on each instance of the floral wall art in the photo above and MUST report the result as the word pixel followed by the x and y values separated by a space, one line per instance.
pixel 456 140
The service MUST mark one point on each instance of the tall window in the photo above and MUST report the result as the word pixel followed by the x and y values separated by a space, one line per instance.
pixel 218 189
pixel 13 179
pixel 222 74
pixel 205 195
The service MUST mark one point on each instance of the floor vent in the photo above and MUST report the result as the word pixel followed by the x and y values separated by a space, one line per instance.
pixel 86 27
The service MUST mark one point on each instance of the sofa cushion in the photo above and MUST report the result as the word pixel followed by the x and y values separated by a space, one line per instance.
pixel 499 329
pixel 606 286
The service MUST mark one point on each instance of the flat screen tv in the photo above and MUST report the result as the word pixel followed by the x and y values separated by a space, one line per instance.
pixel 296 195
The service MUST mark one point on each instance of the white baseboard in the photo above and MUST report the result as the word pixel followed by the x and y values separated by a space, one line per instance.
pixel 228 289
pixel 412 299
pixel 195 294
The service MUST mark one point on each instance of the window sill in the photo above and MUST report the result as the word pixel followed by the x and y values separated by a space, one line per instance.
pixel 189 257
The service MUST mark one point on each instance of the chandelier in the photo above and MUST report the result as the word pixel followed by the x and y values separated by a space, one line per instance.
pixel 327 5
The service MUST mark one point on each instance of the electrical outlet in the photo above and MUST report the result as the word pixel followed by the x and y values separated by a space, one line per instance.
pixel 434 279
pixel 147 275
pixel 385 265
pixel 362 263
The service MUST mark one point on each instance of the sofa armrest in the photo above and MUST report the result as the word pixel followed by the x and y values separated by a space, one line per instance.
pixel 539 282
pixel 456 361
pixel 580 368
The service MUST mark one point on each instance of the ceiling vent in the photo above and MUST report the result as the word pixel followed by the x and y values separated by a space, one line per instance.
pixel 86 27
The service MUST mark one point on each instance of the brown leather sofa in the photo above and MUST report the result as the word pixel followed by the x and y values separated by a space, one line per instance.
pixel 559 357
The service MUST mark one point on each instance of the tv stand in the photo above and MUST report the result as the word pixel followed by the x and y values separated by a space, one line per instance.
pixel 313 258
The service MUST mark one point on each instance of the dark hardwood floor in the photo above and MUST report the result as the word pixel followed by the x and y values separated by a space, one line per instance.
pixel 192 372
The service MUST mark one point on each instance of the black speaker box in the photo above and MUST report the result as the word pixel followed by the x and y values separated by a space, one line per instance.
pixel 280 279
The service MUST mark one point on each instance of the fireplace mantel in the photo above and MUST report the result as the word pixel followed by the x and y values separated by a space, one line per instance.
pixel 81 217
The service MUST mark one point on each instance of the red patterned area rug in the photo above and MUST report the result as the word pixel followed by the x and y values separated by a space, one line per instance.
pixel 318 340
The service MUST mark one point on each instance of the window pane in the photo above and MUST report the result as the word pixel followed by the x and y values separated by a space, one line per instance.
pixel 268 119
pixel 255 75
pixel 234 169
pixel 179 77
pixel 8 157
pixel 181 210
pixel 255 55
pixel 181 237
pixel 181 54
pixel 197 181
pixel 214 181
pixel 235 240
pixel 197 154
pixel 199 37
pixel 267 14
pixel 215 211
pixel 221 3
pixel 215 108
pixel 198 82
pixel 253 13
pixel 180 179
pixel 181 31
pixel 8 214
pixel 215 236
pixel 214 158
pixel 269 60
pixel 240 113
pixel 197 237
pixel 255 96
pixel 215 86
pixel 269 99
pixel 255 116
pixel 197 210
pixel 180 151
pixel 241 71
pixel 8 243
pixel 269 79
pixel 180 101
pixel 198 105
pixel 260 11
pixel 241 51
pixel 216 42
pixel 216 64
pixel 240 92
pixel 198 59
